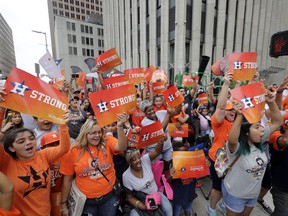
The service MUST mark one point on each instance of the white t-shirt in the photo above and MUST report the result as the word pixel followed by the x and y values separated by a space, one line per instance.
pixel 160 116
pixel 245 177
pixel 147 184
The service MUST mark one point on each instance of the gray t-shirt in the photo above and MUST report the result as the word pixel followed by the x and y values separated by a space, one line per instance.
pixel 147 184
pixel 245 177
pixel 160 116
pixel 39 134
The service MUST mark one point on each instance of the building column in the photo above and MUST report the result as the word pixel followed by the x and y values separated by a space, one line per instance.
pixel 180 35
pixel 247 25
pixel 122 41
pixel 221 20
pixel 135 52
pixel 261 27
pixel 239 26
pixel 164 35
pixel 143 49
pixel 128 35
pixel 230 27
pixel 209 25
pixel 152 33
pixel 195 34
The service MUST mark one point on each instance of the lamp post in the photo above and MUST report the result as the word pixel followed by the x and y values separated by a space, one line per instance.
pixel 39 32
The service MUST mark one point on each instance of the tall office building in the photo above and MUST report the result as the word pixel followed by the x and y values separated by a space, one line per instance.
pixel 76 28
pixel 7 52
pixel 175 34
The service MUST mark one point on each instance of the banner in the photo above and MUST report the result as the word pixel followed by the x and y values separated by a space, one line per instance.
pixel 242 64
pixel 187 80
pixel 132 139
pixel 252 96
pixel 189 164
pixel 158 87
pixel 172 96
pixel 114 82
pixel 58 82
pixel 150 134
pixel 108 60
pixel 108 103
pixel 177 130
pixel 148 72
pixel 202 98
pixel 81 80
pixel 48 64
pixel 159 75
pixel 135 75
pixel 30 95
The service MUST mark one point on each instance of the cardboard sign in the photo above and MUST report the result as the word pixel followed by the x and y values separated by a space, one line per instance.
pixel 81 80
pixel 49 65
pixel 203 98
pixel 189 164
pixel 58 82
pixel 158 87
pixel 242 64
pixel 108 103
pixel 150 134
pixel 159 75
pixel 252 96
pixel 148 72
pixel 114 82
pixel 132 139
pixel 108 60
pixel 187 80
pixel 135 75
pixel 30 95
pixel 177 130
pixel 172 96
pixel 218 67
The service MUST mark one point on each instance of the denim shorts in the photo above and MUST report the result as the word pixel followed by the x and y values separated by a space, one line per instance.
pixel 236 204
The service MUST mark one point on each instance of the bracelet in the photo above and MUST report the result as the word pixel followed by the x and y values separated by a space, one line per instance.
pixel 119 126
pixel 64 202
pixel 137 203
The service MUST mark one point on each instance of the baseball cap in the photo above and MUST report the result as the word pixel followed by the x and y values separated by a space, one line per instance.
pixel 75 97
pixel 145 104
pixel 229 105
pixel 50 138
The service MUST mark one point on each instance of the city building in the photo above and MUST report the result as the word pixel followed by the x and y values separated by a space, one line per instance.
pixel 175 34
pixel 7 52
pixel 76 32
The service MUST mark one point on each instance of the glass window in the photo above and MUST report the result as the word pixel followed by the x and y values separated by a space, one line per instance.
pixel 70 50
pixel 83 40
pixel 99 31
pixel 86 29
pixel 75 50
pixel 91 41
pixel 87 40
pixel 82 4
pixel 77 16
pixel 60 5
pixel 72 1
pixel 77 3
pixel 99 43
pixel 68 24
pixel 74 39
pixel 66 7
pixel 92 52
pixel 82 28
pixel 72 15
pixel 67 14
pixel 91 30
pixel 69 38
pixel 72 8
pixel 99 52
pixel 61 13
pixel 73 27
pixel 83 52
pixel 88 52
pixel 83 17
pixel 77 10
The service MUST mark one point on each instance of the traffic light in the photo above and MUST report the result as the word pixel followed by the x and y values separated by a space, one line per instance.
pixel 279 44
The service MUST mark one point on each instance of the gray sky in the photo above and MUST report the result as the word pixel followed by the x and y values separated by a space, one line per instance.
pixel 23 17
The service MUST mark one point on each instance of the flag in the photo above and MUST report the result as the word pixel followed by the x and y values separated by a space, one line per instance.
pixel 58 61
pixel 48 64
pixel 75 69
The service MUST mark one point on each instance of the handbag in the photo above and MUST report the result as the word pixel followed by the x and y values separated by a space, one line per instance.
pixel 222 165
pixel 76 200
pixel 117 187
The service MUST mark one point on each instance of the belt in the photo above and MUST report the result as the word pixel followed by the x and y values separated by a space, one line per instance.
pixel 100 197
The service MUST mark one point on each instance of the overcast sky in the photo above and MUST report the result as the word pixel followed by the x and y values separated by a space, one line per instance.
pixel 23 17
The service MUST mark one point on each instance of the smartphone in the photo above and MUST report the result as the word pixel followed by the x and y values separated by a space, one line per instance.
pixel 152 203
pixel 75 75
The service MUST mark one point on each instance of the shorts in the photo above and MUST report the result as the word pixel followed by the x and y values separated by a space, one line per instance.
pixel 216 181
pixel 236 204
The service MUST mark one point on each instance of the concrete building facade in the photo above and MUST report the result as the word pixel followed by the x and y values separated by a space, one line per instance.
pixel 7 51
pixel 175 34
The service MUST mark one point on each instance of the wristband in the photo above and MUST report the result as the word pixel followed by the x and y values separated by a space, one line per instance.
pixel 137 204
pixel 120 126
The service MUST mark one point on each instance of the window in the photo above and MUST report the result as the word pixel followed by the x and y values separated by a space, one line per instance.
pixel 91 41
pixel 72 15
pixel 82 28
pixel 66 7
pixel 66 1
pixel 54 4
pixel 74 39
pixel 88 52
pixel 69 38
pixel 91 30
pixel 99 31
pixel 82 4
pixel 72 8
pixel 75 50
pixel 86 29
pixel 61 13
pixel 72 1
pixel 92 52
pixel 77 16
pixel 77 10
pixel 60 5
pixel 83 52
pixel 102 43
pixel 68 24
pixel 83 17
pixel 77 3
pixel 73 27
pixel 87 6
pixel 88 12
pixel 97 8
pixel 99 43
pixel 92 7
pixel 97 1
pixel 87 41
pixel 99 52
pixel 55 11
pixel 67 14
pixel 82 11
pixel 83 40
pixel 70 50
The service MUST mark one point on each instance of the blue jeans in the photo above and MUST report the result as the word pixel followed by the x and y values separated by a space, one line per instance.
pixel 165 206
pixel 178 208
pixel 108 205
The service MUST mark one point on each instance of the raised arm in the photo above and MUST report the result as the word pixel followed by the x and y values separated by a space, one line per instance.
pixel 157 150
pixel 283 86
pixel 6 192
pixel 121 145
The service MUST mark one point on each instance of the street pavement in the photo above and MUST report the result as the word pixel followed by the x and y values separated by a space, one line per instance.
pixel 200 203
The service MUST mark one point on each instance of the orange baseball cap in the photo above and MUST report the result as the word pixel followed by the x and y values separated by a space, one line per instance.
pixel 229 105
pixel 50 137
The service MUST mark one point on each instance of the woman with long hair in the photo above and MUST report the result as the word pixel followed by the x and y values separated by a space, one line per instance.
pixel 91 162
pixel 13 120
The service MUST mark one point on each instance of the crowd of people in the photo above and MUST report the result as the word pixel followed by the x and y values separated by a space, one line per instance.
pixel 41 162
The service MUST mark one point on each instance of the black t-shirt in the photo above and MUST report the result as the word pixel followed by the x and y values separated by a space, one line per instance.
pixel 76 119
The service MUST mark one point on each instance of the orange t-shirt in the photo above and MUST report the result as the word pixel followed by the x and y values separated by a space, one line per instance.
pixel 90 181
pixel 32 178
pixel 162 107
pixel 13 212
pixel 273 140
pixel 285 103
pixel 221 132
pixel 137 116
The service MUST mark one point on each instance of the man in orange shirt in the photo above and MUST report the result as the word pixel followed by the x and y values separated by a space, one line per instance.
pixel 221 121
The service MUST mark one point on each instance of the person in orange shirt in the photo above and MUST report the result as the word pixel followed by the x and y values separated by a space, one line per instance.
pixel 93 153
pixel 158 103
pixel 221 122
pixel 52 139
pixel 28 169
pixel 6 197
pixel 137 116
